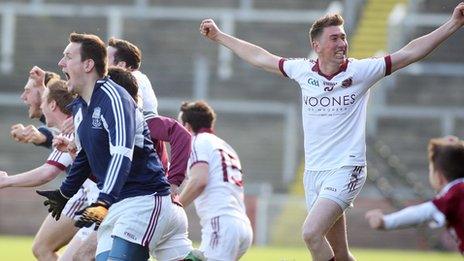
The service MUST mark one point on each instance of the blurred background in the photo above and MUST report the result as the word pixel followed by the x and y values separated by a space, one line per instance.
pixel 258 113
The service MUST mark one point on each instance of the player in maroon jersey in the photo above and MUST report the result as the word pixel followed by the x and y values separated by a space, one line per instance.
pixel 446 176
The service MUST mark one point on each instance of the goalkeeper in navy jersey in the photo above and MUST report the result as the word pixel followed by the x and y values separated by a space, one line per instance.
pixel 134 209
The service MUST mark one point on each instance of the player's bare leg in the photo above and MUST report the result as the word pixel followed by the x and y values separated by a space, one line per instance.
pixel 338 240
pixel 88 249
pixel 320 219
pixel 75 245
pixel 52 236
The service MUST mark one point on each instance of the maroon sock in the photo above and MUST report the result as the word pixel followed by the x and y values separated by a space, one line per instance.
pixel 332 259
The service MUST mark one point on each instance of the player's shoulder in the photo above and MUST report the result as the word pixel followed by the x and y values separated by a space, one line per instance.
pixel 203 137
pixel 457 189
pixel 300 60
pixel 141 78
pixel 366 61
pixel 111 92
pixel 453 192
pixel 204 140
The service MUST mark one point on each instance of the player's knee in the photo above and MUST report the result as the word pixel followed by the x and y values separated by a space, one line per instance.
pixel 40 250
pixel 312 236
pixel 83 256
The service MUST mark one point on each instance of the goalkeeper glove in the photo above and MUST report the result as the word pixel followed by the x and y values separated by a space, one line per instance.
pixel 95 213
pixel 55 201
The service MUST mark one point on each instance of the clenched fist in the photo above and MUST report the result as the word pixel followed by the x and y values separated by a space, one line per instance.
pixel 209 29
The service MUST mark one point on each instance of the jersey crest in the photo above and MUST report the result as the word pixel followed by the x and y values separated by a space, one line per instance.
pixel 96 118
pixel 347 83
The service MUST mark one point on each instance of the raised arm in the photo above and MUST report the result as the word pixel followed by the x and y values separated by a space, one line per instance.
pixel 422 46
pixel 251 53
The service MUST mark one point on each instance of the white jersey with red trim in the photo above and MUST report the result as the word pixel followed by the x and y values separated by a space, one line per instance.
pixel 223 195
pixel 334 109
pixel 59 159
pixel 150 102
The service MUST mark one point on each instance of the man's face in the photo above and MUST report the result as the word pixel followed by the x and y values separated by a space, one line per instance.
pixel 332 45
pixel 31 97
pixel 47 109
pixel 111 52
pixel 73 67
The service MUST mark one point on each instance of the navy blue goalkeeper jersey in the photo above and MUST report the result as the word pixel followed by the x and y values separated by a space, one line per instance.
pixel 114 146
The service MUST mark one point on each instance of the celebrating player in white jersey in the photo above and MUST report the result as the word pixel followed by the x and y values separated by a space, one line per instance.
pixel 335 90
pixel 125 54
pixel 55 234
pixel 216 187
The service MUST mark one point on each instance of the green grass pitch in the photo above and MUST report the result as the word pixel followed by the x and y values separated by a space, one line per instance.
pixel 19 249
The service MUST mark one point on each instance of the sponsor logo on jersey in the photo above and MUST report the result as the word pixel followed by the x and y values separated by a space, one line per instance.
pixel 329 86
pixel 347 83
pixel 96 118
pixel 327 101
pixel 313 81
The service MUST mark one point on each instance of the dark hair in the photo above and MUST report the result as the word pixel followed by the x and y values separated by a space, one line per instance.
pixel 198 114
pixel 50 76
pixel 328 20
pixel 126 52
pixel 58 92
pixel 125 79
pixel 447 156
pixel 92 47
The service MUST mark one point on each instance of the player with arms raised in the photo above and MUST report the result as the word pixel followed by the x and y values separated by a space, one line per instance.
pixel 335 92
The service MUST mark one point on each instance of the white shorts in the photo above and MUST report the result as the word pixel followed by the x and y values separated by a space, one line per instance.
pixel 340 185
pixel 225 238
pixel 86 195
pixel 150 220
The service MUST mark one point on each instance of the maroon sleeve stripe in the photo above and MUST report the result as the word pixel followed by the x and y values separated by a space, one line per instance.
pixel 281 66
pixel 56 164
pixel 388 65
pixel 196 162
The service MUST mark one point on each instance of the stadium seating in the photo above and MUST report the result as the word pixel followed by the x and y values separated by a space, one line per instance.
pixel 171 48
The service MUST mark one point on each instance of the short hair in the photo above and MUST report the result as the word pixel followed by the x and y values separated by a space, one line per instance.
pixel 328 20
pixel 198 114
pixel 58 92
pixel 126 52
pixel 51 76
pixel 92 47
pixel 447 156
pixel 125 79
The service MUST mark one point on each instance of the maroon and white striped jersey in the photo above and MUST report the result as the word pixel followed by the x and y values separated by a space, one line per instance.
pixel 60 159
pixel 223 195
